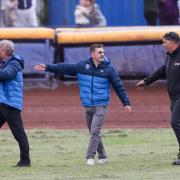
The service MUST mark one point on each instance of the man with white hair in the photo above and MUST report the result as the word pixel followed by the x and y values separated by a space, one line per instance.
pixel 11 97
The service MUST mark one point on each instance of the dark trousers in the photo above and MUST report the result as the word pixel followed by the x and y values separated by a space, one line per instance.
pixel 175 120
pixel 95 117
pixel 13 117
pixel 151 18
pixel 168 19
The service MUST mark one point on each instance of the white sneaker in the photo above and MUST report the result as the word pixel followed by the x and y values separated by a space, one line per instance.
pixel 102 161
pixel 90 162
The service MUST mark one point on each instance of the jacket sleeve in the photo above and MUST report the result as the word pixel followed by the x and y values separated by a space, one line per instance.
pixel 10 71
pixel 159 74
pixel 63 69
pixel 119 87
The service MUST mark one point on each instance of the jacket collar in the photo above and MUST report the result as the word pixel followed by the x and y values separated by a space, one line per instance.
pixel 103 64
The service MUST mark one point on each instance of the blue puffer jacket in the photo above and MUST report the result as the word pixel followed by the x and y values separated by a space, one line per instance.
pixel 94 81
pixel 11 82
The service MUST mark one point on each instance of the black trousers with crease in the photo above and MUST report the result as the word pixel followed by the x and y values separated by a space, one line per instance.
pixel 13 118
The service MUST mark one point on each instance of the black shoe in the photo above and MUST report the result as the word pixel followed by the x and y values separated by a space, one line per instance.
pixel 177 161
pixel 22 164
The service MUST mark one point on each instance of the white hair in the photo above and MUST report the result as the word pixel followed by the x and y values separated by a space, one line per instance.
pixel 7 46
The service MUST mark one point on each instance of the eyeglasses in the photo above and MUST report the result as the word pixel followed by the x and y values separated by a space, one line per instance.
pixel 101 52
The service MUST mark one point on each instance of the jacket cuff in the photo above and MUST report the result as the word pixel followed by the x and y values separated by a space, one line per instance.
pixel 127 104
pixel 147 81
pixel 47 67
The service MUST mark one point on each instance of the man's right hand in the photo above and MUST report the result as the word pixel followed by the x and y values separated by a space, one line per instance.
pixel 141 84
pixel 40 67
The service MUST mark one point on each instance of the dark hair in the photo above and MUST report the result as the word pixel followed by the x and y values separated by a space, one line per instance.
pixel 172 36
pixel 94 46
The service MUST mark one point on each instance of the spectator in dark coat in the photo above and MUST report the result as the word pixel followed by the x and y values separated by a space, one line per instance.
pixel 168 12
pixel 151 11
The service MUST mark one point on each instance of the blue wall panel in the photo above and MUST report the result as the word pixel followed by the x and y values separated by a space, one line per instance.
pixel 117 12
pixel 132 60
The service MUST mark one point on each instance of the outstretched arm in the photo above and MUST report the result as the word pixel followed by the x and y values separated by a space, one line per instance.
pixel 60 68
pixel 160 73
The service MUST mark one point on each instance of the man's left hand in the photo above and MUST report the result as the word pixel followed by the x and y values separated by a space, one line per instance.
pixel 128 108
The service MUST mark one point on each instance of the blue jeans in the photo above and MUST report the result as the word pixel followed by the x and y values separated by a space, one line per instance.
pixel 95 117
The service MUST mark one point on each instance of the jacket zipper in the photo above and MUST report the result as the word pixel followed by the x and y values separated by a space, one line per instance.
pixel 92 86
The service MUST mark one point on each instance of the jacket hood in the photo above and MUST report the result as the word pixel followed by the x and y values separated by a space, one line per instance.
pixel 19 59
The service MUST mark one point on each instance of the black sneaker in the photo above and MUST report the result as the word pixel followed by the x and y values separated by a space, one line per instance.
pixel 177 161
pixel 23 164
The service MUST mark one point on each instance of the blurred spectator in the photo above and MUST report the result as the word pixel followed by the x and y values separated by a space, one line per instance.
pixel 88 14
pixel 10 13
pixel 168 12
pixel 26 13
pixel 179 9
pixel 2 12
pixel 151 11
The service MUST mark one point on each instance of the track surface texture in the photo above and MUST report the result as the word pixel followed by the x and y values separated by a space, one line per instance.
pixel 61 109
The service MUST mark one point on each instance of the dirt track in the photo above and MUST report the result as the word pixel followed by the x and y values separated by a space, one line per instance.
pixel 61 108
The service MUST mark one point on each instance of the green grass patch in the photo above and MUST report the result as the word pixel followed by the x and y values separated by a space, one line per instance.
pixel 134 154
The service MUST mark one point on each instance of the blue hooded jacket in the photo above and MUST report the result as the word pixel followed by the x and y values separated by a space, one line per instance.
pixel 94 82
pixel 11 82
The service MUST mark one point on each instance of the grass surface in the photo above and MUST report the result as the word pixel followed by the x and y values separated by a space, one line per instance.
pixel 134 154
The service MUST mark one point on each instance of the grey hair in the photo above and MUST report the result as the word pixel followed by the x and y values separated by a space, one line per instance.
pixel 7 46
